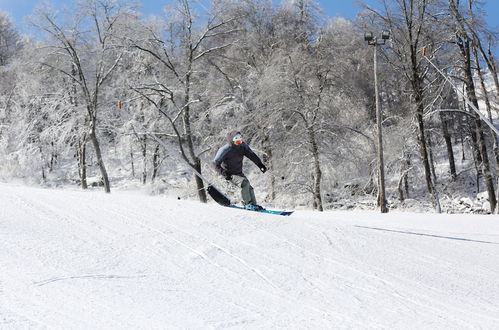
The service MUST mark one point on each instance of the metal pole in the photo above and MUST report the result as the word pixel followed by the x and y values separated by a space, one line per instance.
pixel 379 121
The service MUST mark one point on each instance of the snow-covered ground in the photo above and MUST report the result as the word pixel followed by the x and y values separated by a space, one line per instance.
pixel 71 259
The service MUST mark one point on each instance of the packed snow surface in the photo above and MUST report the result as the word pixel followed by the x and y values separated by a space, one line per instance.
pixel 73 259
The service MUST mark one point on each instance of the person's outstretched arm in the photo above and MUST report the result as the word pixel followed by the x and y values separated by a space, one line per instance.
pixel 254 158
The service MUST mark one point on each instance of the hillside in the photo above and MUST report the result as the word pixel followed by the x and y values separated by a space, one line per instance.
pixel 87 260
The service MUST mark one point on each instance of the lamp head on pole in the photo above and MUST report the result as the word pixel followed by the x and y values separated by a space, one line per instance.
pixel 385 34
pixel 368 36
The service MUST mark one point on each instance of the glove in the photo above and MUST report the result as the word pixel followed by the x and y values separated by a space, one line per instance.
pixel 263 168
pixel 226 175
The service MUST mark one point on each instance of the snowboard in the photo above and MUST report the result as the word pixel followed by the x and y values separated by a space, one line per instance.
pixel 285 213
pixel 221 199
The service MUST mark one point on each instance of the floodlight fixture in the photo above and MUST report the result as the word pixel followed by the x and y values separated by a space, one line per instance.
pixel 368 36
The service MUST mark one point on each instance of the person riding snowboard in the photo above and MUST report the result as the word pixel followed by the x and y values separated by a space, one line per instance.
pixel 229 163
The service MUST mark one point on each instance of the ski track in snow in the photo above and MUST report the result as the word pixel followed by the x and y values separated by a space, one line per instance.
pixel 176 229
pixel 85 259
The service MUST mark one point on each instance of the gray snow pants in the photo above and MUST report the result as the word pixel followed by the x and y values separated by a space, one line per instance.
pixel 247 192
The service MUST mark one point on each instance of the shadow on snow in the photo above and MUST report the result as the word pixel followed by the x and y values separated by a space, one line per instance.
pixel 427 235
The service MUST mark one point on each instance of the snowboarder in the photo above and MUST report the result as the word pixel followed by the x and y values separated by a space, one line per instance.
pixel 229 163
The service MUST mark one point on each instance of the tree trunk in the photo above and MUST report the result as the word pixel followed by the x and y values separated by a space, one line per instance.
pixel 144 158
pixel 436 200
pixel 188 133
pixel 422 144
pixel 132 161
pixel 98 154
pixel 448 144
pixel 406 178
pixel 489 58
pixel 461 136
pixel 43 164
pixel 489 179
pixel 425 157
pixel 267 148
pixel 200 183
pixel 155 163
pixel 81 153
pixel 400 185
pixel 432 161
pixel 53 157
pixel 403 185
pixel 470 90
pixel 488 106
pixel 476 154
pixel 475 150
pixel 317 170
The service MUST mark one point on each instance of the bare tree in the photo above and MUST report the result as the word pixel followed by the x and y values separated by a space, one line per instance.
pixel 181 55
pixel 90 47
pixel 308 110
pixel 294 86
pixel 463 42
pixel 486 98
pixel 482 35
pixel 10 42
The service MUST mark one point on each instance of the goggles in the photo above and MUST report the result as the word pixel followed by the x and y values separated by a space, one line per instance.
pixel 237 140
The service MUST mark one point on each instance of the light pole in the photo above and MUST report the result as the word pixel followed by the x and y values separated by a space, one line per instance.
pixel 373 41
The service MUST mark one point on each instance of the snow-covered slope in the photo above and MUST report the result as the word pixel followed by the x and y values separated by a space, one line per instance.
pixel 87 260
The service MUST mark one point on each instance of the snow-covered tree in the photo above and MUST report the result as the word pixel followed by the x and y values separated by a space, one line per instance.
pixel 180 46
pixel 10 41
pixel 89 47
